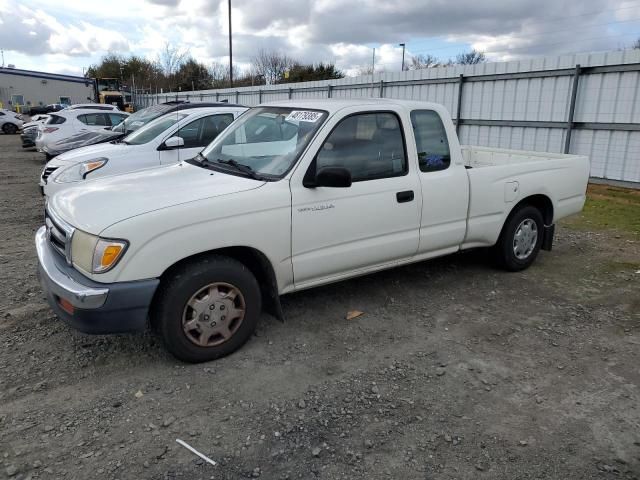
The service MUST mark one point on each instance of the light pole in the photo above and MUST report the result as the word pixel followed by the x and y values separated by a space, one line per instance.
pixel 230 50
pixel 373 61
pixel 403 47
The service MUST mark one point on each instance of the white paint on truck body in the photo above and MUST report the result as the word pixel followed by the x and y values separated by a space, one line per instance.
pixel 313 236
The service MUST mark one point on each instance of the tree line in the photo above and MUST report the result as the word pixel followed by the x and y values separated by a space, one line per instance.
pixel 176 70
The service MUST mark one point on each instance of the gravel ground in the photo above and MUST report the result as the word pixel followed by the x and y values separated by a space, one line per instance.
pixel 455 370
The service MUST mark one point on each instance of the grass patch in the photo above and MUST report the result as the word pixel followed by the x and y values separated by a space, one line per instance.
pixel 609 208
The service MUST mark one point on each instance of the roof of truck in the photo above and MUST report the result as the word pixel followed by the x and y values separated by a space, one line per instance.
pixel 332 105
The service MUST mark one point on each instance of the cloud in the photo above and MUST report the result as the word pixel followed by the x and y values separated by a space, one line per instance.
pixel 316 30
pixel 36 32
pixel 165 3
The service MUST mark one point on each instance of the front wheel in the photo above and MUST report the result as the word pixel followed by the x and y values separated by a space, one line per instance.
pixel 520 240
pixel 207 309
pixel 9 128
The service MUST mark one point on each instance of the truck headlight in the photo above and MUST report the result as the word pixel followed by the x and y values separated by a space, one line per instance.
pixel 78 172
pixel 94 254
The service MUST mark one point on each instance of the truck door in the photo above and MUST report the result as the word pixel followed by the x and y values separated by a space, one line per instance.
pixel 375 221
pixel 445 185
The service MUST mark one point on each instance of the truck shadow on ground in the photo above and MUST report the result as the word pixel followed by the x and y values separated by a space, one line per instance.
pixel 310 312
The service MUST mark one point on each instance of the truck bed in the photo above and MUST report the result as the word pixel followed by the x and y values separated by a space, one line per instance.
pixel 500 178
pixel 478 157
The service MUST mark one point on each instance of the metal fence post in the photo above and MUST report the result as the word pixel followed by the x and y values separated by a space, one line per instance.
pixel 381 89
pixel 259 96
pixel 572 109
pixel 329 87
pixel 290 93
pixel 459 108
pixel 237 97
pixel 217 96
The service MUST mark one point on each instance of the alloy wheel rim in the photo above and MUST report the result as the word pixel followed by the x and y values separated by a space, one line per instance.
pixel 213 314
pixel 525 239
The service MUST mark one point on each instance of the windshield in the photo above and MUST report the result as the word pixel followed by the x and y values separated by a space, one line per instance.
pixel 267 139
pixel 140 118
pixel 152 129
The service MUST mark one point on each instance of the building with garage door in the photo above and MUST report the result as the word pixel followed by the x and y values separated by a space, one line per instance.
pixel 28 88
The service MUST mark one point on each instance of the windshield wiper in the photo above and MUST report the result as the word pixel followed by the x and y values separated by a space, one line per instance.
pixel 241 167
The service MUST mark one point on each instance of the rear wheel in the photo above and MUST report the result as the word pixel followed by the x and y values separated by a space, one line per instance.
pixel 207 309
pixel 9 128
pixel 520 240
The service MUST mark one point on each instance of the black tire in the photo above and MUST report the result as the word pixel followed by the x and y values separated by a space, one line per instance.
pixel 175 292
pixel 504 249
pixel 9 129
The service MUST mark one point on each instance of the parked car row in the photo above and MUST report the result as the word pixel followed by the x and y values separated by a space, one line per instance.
pixel 201 218
pixel 127 126
pixel 165 140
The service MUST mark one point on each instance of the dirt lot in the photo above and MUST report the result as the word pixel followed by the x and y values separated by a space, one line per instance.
pixel 456 370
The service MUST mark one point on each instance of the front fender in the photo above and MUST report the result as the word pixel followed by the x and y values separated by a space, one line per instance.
pixel 161 238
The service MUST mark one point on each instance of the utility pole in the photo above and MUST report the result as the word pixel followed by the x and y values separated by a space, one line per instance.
pixel 403 47
pixel 373 61
pixel 230 50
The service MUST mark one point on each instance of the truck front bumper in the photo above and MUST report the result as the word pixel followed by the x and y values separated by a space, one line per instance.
pixel 89 306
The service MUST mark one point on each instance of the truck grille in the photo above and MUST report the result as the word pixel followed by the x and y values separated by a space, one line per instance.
pixel 59 234
pixel 46 172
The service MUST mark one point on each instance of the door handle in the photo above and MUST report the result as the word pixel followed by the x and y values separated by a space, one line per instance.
pixel 406 196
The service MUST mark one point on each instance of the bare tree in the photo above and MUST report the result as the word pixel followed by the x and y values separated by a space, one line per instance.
pixel 219 74
pixel 271 65
pixel 171 58
pixel 470 58
pixel 418 62
pixel 636 44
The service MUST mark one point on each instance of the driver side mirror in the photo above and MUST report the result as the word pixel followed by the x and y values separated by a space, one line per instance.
pixel 335 177
pixel 172 143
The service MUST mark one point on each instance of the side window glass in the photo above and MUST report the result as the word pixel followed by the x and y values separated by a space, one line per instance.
pixel 190 133
pixel 369 145
pixel 431 141
pixel 115 118
pixel 93 119
pixel 212 127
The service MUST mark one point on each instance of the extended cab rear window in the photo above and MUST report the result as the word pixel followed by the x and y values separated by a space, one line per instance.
pixel 431 141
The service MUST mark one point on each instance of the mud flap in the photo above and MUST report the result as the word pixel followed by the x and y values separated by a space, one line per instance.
pixel 547 237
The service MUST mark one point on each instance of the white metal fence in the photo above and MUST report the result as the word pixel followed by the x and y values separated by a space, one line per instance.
pixel 586 104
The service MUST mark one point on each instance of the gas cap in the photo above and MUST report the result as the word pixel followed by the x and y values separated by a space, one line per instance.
pixel 511 191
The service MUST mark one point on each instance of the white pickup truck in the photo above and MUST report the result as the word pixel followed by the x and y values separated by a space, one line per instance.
pixel 292 195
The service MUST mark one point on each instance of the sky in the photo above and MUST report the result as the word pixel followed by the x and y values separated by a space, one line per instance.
pixel 70 35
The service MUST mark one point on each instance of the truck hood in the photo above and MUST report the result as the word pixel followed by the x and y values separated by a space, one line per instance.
pixel 98 204
pixel 108 150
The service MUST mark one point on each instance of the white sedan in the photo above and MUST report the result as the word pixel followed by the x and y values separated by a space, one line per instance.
pixel 68 122
pixel 10 122
pixel 168 139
